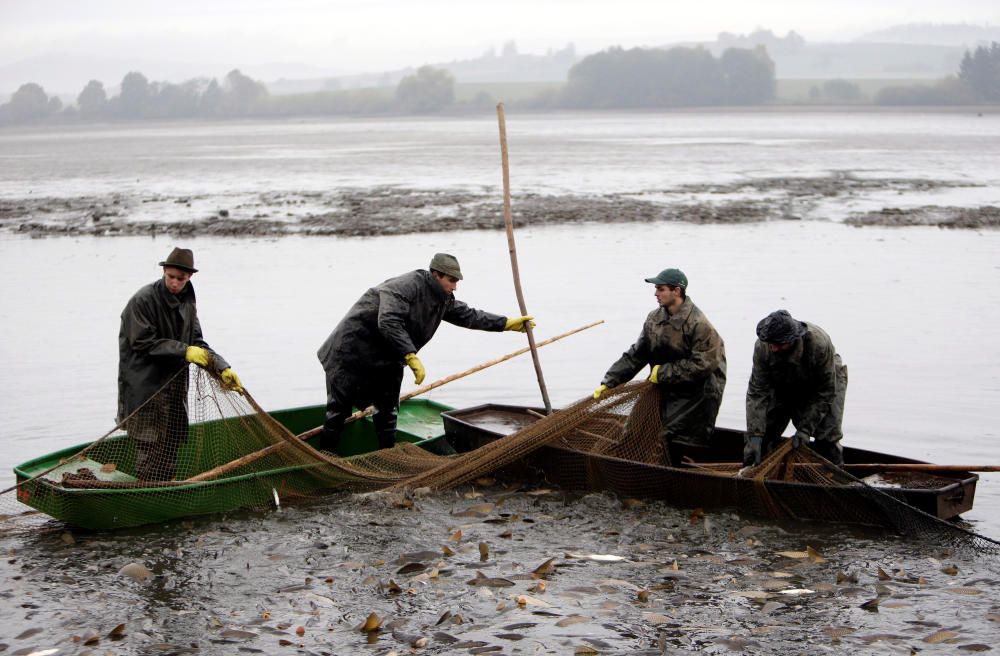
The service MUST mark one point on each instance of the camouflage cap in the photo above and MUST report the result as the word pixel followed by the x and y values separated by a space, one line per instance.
pixel 672 277
pixel 780 328
pixel 447 264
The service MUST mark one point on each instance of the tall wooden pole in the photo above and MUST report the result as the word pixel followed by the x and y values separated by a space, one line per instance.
pixel 508 220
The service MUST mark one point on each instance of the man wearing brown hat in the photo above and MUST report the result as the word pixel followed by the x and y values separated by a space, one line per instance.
pixel 364 355
pixel 160 334
pixel 797 377
pixel 688 362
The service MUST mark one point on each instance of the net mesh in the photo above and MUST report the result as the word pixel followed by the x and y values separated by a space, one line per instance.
pixel 198 448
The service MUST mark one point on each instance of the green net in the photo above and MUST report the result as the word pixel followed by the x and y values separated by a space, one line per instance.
pixel 198 448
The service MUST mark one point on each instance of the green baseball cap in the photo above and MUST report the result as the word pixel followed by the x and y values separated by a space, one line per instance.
pixel 672 277
pixel 446 264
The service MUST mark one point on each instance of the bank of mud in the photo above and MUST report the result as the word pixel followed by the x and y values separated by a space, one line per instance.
pixel 489 569
pixel 397 210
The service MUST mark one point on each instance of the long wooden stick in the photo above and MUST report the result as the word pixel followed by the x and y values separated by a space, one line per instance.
pixel 913 467
pixel 509 222
pixel 870 466
pixel 256 455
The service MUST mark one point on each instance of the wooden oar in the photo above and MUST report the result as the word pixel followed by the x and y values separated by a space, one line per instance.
pixel 256 455
pixel 509 223
pixel 870 466
pixel 910 467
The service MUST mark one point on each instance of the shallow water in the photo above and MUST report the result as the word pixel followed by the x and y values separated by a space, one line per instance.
pixel 305 578
pixel 924 364
pixel 913 312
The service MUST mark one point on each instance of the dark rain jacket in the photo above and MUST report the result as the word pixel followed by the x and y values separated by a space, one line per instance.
pixel 809 381
pixel 397 317
pixel 156 329
pixel 692 374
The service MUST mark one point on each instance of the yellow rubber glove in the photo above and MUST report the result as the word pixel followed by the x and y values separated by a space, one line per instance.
pixel 654 376
pixel 599 391
pixel 231 381
pixel 197 355
pixel 517 323
pixel 413 362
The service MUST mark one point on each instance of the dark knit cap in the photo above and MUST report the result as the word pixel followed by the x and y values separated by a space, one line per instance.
pixel 780 328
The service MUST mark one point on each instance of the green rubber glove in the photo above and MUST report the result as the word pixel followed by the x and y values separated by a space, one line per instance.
pixel 799 439
pixel 231 381
pixel 600 390
pixel 197 355
pixel 654 375
pixel 413 362
pixel 517 323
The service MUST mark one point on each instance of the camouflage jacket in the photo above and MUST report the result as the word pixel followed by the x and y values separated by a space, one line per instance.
pixel 691 354
pixel 156 329
pixel 398 317
pixel 804 378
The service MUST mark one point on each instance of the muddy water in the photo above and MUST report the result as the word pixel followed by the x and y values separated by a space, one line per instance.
pixel 912 311
pixel 625 577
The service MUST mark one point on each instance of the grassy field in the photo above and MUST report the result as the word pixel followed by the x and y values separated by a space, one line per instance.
pixel 798 90
pixel 502 91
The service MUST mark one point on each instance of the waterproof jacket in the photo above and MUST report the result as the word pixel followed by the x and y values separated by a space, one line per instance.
pixel 691 354
pixel 805 379
pixel 397 317
pixel 156 329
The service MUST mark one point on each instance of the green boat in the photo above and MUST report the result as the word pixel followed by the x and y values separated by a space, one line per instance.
pixel 118 500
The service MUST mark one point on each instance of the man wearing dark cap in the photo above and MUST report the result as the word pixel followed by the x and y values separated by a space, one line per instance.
pixel 364 355
pixel 797 376
pixel 688 360
pixel 160 334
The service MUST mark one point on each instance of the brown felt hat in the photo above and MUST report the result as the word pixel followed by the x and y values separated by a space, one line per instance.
pixel 180 258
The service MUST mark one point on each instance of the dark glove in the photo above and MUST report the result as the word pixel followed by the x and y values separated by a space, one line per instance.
pixel 752 451
pixel 799 439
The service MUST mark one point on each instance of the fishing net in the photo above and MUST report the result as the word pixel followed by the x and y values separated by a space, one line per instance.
pixel 197 448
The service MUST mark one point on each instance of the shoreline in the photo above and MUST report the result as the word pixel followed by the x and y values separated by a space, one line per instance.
pixel 777 108
pixel 389 210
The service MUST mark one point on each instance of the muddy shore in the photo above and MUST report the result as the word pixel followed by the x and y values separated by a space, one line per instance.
pixel 397 210
pixel 489 569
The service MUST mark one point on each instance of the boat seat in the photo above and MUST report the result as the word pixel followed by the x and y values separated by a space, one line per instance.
pixel 94 467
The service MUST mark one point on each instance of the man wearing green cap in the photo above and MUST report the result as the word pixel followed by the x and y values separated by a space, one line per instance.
pixel 159 335
pixel 797 377
pixel 688 360
pixel 364 355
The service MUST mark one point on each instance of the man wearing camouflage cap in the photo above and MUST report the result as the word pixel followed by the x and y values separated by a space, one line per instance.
pixel 688 360
pixel 799 377
pixel 364 355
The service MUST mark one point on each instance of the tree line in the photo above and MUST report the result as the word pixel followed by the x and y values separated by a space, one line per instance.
pixel 237 96
pixel 652 77
pixel 613 78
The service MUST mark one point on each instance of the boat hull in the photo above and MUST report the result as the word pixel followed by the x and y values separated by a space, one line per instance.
pixel 945 497
pixel 102 508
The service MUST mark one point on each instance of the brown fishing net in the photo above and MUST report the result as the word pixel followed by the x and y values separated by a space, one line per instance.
pixel 219 451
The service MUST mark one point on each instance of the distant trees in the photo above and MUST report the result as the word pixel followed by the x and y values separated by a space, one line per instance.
pixel 93 100
pixel 836 91
pixel 980 69
pixel 748 76
pixel 949 91
pixel 29 103
pixel 428 90
pixel 646 77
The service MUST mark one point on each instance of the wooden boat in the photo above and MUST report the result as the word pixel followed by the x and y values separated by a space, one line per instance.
pixel 104 508
pixel 943 495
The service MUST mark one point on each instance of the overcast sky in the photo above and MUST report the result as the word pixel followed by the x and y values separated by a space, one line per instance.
pixel 354 36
